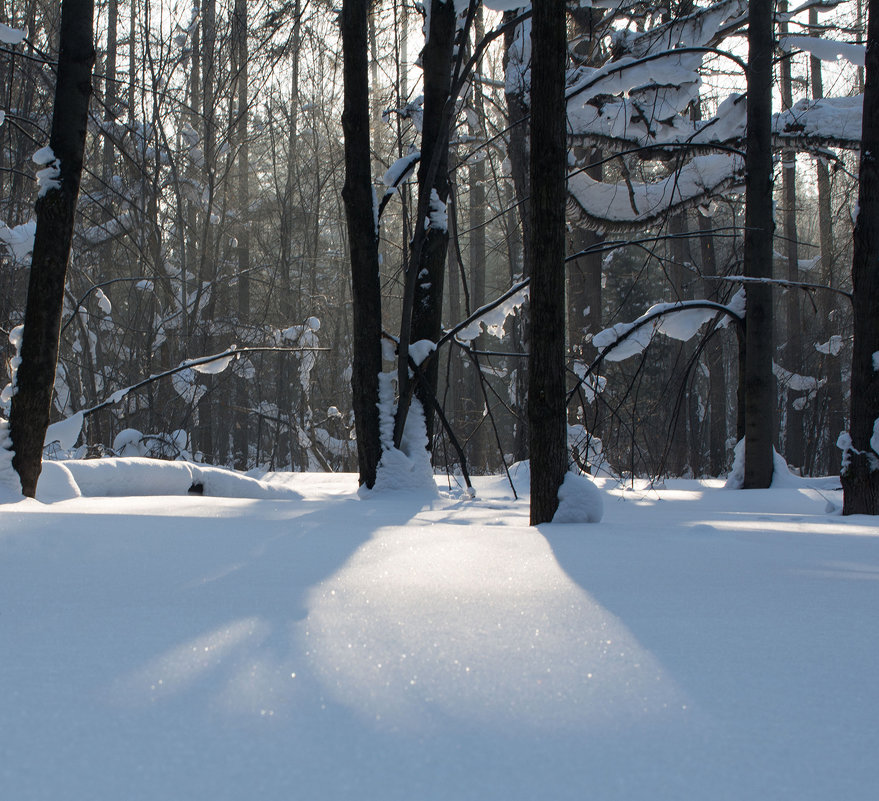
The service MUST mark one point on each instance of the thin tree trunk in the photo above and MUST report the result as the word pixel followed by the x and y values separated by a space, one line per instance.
pixel 241 438
pixel 794 434
pixel 548 162
pixel 717 390
pixel 207 273
pixel 362 239
pixel 56 209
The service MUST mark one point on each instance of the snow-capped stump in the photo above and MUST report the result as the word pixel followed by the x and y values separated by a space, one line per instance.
pixel 580 501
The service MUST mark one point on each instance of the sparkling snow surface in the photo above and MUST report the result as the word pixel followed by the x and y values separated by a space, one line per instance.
pixel 698 643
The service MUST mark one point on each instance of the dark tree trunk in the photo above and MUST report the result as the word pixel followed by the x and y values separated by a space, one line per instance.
pixel 759 386
pixel 427 305
pixel 362 239
pixel 29 416
pixel 546 364
pixel 717 398
pixel 860 473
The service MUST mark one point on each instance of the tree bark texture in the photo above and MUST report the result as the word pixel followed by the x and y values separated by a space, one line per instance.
pixel 759 385
pixel 427 305
pixel 548 163
pixel 29 417
pixel 717 391
pixel 362 239
pixel 860 473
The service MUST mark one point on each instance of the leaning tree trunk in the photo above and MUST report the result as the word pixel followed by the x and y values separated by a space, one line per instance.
pixel 546 364
pixel 860 470
pixel 759 387
pixel 362 240
pixel 31 403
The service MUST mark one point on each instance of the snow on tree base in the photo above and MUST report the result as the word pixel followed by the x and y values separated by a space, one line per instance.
pixel 580 501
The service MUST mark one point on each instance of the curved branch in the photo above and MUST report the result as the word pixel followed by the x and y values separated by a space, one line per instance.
pixel 645 320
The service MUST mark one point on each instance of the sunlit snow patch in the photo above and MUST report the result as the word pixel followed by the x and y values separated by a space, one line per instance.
pixel 417 630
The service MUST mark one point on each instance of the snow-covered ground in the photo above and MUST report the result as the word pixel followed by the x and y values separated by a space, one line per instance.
pixel 698 643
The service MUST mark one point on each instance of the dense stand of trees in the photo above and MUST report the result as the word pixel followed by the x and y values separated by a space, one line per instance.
pixel 230 164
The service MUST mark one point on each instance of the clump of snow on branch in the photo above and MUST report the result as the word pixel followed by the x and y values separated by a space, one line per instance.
pixel 212 367
pixel 419 351
pixel 438 215
pixel 64 433
pixel 103 301
pixel 592 385
pixel 832 347
pixel 10 484
pixel 798 383
pixel 12 36
pixel 494 320
pixel 664 87
pixel 691 30
pixel 186 385
pixel 399 171
pixel 15 337
pixel 588 450
pixel 517 77
pixel 48 177
pixel 19 239
pixel 831 118
pixel 304 336
pixel 681 321
pixel 630 203
pixel 825 49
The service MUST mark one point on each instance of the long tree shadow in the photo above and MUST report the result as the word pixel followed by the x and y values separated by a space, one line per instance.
pixel 197 610
pixel 767 633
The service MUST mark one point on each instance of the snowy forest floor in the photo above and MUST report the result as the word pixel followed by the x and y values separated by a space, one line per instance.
pixel 698 643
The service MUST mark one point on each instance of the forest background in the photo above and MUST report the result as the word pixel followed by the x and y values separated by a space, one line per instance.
pixel 211 216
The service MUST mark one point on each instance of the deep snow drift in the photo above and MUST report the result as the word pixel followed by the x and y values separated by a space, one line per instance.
pixel 698 643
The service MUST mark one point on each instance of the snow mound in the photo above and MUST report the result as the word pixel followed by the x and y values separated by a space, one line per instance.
pixel 137 476
pixel 56 483
pixel 580 501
